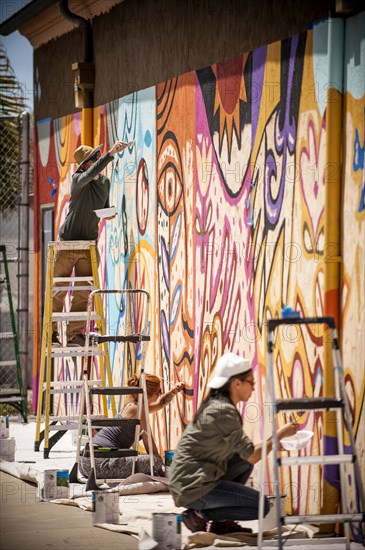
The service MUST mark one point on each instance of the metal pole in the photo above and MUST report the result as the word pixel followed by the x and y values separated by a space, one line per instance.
pixel 23 249
pixel 332 250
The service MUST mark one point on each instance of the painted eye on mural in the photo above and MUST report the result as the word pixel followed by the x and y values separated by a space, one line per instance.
pixel 170 182
pixel 307 239
pixel 320 243
pixel 169 189
pixel 142 196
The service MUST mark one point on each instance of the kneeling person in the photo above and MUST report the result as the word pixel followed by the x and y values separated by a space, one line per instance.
pixel 214 457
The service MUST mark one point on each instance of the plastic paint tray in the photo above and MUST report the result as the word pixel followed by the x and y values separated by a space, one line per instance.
pixel 106 212
pixel 297 441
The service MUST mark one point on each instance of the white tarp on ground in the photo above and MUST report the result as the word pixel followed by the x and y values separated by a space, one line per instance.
pixel 140 495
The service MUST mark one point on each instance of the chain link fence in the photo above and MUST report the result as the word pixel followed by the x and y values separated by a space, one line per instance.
pixel 14 211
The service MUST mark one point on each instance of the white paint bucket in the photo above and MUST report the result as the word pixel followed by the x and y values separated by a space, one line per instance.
pixel 7 449
pixel 47 485
pixel 105 507
pixel 166 530
pixel 269 522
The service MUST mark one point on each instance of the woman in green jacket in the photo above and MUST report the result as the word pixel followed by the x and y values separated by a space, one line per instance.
pixel 214 457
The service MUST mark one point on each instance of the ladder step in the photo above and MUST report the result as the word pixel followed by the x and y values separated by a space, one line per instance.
pixel 63 383
pixel 127 422
pixel 64 427
pixel 308 460
pixel 115 391
pixel 273 323
pixel 9 391
pixel 72 279
pixel 10 399
pixel 69 420
pixel 74 316
pixel 59 391
pixel 73 288
pixel 323 518
pixel 7 363
pixel 122 338
pixel 75 352
pixel 6 335
pixel 308 403
pixel 111 454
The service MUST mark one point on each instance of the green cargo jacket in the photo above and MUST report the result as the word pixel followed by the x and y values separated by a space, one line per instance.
pixel 204 449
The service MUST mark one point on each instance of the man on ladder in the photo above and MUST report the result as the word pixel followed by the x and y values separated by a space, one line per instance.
pixel 89 192
pixel 76 251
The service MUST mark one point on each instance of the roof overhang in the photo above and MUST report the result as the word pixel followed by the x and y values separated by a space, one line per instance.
pixel 41 20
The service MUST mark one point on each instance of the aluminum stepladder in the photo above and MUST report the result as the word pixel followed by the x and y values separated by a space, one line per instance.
pixel 340 404
pixel 9 394
pixel 140 339
pixel 50 353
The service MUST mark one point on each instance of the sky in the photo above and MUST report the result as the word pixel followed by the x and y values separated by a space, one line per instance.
pixel 19 51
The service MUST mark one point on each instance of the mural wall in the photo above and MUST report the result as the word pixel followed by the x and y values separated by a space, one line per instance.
pixel 221 207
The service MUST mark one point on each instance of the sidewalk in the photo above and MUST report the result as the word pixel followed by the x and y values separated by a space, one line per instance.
pixel 26 523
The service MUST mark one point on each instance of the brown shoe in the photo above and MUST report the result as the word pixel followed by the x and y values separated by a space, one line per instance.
pixel 194 521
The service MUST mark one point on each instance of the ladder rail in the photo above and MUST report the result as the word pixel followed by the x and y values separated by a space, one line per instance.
pixel 264 456
pixel 23 404
pixel 105 361
pixel 348 424
pixel 48 330
pixel 338 375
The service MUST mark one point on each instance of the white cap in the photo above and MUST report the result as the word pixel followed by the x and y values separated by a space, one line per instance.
pixel 228 365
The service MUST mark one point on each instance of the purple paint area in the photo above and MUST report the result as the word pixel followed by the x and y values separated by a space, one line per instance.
pixel 331 473
pixel 284 142
pixel 258 71
pixel 165 263
pixel 165 336
pixel 226 264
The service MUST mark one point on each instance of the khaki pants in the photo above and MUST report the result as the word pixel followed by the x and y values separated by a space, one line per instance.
pixel 64 263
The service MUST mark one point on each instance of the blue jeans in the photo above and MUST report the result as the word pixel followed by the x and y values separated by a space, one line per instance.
pixel 231 499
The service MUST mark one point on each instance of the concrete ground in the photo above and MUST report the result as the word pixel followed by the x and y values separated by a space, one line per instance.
pixel 26 523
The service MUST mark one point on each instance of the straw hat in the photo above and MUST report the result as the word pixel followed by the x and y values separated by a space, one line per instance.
pixel 84 153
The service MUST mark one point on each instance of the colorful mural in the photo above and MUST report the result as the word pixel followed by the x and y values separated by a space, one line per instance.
pixel 221 218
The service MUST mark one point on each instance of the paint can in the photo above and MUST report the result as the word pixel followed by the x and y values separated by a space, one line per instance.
pixel 47 485
pixel 105 507
pixel 269 522
pixel 169 455
pixel 7 449
pixel 166 530
pixel 4 427
pixel 63 483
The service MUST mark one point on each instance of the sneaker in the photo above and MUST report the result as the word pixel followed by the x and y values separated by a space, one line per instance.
pixel 226 527
pixel 194 521
pixel 56 342
pixel 77 341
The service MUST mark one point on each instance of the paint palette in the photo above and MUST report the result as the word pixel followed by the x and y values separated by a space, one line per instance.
pixel 106 212
pixel 297 441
